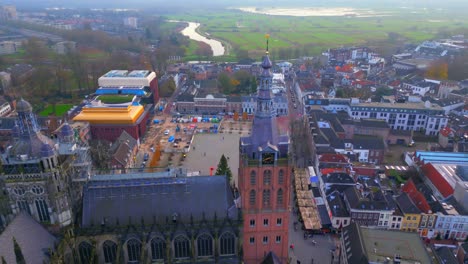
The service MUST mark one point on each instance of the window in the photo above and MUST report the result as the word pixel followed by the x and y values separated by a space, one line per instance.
pixel 267 177
pixel 24 206
pixel 278 239
pixel 158 248
pixel 19 191
pixel 181 247
pixel 227 244
pixel 252 197
pixel 265 222
pixel 85 249
pixel 252 240
pixel 265 240
pixel 281 177
pixel 109 249
pixel 42 210
pixel 279 197
pixel 37 189
pixel 205 245
pixel 133 250
pixel 345 222
pixel 279 221
pixel 253 178
pixel 252 222
pixel 408 218
pixel 414 218
pixel 266 198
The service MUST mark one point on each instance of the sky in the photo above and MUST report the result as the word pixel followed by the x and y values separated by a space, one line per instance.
pixel 226 3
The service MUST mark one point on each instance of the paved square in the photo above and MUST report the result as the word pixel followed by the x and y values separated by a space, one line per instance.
pixel 206 150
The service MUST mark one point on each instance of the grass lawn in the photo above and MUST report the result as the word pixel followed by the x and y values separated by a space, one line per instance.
pixel 115 99
pixel 316 34
pixel 60 110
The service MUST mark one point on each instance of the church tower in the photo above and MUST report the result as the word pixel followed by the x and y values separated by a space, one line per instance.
pixel 264 179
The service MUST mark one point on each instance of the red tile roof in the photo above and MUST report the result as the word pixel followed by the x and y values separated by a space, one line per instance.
pixel 333 158
pixel 437 180
pixel 446 131
pixel 416 196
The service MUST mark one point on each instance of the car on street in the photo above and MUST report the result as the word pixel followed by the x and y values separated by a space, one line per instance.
pixel 146 157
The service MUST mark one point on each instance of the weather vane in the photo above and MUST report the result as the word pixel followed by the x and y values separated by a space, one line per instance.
pixel 267 36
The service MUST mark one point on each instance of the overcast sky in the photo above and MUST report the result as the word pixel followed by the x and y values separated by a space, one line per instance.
pixel 220 3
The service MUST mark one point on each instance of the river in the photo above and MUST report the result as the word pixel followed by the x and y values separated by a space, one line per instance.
pixel 190 31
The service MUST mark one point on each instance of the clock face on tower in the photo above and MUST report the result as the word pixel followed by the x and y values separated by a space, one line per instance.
pixel 268 158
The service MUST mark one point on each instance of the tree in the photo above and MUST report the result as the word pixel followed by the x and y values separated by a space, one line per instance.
pixel 167 88
pixel 253 85
pixel 224 82
pixel 18 253
pixel 438 70
pixel 223 168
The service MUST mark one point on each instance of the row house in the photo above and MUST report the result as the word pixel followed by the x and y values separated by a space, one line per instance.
pixel 339 215
pixel 411 213
pixel 451 224
pixel 367 207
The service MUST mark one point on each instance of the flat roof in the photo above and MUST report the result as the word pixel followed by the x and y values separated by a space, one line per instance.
pixel 127 74
pixel 110 115
pixel 449 172
pixel 380 244
pixel 407 105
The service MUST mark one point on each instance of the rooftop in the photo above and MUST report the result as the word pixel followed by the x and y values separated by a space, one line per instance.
pixel 380 244
pixel 126 74
pixel 407 105
pixel 32 237
pixel 156 199
pixel 110 115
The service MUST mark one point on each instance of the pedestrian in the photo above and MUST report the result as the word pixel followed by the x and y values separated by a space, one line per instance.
pixel 204 154
pixel 291 247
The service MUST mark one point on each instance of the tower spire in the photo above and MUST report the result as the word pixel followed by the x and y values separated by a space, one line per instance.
pixel 267 36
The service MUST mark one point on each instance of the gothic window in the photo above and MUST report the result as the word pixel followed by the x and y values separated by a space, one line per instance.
pixel 279 197
pixel 266 197
pixel 37 189
pixel 109 248
pixel 85 249
pixel 253 178
pixel 267 177
pixel 133 250
pixel 181 247
pixel 281 177
pixel 42 210
pixel 205 245
pixel 158 248
pixel 19 191
pixel 23 206
pixel 252 197
pixel 227 244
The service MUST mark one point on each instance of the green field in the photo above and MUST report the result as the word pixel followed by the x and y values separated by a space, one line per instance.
pixel 115 99
pixel 245 31
pixel 55 110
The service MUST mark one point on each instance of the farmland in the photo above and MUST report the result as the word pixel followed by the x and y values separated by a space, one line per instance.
pixel 312 34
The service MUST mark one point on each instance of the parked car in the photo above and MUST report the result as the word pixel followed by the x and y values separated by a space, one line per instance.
pixel 166 132
pixel 146 157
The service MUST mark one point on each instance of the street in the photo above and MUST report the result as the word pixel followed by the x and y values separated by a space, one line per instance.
pixel 306 251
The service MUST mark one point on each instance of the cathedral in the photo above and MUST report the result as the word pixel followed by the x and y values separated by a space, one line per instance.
pixel 42 176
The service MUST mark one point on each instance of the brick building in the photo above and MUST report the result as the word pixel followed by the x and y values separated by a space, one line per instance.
pixel 107 121
pixel 264 180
